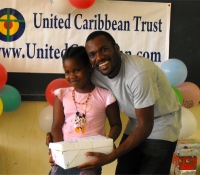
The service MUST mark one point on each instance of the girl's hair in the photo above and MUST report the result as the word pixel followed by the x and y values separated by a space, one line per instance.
pixel 99 33
pixel 76 52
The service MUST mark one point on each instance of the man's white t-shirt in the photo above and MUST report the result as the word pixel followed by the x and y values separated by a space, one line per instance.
pixel 141 83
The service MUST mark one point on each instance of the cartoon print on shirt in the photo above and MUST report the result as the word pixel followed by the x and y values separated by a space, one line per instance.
pixel 80 122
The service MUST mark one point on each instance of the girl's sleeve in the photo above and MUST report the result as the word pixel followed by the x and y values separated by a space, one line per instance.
pixel 59 93
pixel 110 98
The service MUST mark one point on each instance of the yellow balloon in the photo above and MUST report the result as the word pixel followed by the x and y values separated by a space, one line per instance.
pixel 1 106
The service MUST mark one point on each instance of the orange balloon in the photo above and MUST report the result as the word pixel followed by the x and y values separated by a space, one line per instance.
pixel 52 86
pixel 190 93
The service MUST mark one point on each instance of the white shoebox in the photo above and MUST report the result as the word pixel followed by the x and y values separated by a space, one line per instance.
pixel 68 154
pixel 177 171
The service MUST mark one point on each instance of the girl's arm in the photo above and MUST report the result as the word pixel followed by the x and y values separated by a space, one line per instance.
pixel 58 121
pixel 113 114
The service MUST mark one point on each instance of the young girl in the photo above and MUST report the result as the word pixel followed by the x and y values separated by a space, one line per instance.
pixel 81 110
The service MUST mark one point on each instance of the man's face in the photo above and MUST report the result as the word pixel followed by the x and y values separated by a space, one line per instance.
pixel 104 56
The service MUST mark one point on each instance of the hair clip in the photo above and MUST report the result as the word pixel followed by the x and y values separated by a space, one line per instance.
pixel 74 45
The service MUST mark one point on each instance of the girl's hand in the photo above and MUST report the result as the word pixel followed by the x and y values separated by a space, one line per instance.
pixel 51 161
pixel 48 138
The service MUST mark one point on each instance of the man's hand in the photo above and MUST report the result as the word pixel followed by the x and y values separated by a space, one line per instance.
pixel 48 138
pixel 100 159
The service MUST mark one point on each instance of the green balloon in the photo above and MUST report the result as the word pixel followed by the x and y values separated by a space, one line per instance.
pixel 178 94
pixel 10 97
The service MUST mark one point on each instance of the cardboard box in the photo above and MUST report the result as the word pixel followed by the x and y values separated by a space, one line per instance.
pixel 68 154
pixel 184 162
pixel 187 147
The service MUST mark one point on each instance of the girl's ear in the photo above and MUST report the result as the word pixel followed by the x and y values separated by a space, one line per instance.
pixel 90 68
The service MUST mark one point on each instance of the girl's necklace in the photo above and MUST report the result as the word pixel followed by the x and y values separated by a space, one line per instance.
pixel 73 97
pixel 80 118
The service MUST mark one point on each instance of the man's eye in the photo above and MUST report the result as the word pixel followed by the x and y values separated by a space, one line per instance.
pixel 91 55
pixel 104 49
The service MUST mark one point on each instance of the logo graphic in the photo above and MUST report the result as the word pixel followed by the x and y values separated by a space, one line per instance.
pixel 12 24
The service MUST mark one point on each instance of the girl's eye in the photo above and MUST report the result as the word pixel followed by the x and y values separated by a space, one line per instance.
pixel 66 73
pixel 77 70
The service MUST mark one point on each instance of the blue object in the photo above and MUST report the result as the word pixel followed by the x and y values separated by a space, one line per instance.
pixel 175 70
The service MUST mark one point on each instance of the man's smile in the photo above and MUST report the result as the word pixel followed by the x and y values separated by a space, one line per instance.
pixel 103 65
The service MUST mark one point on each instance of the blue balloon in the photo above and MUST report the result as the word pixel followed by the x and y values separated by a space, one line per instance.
pixel 175 70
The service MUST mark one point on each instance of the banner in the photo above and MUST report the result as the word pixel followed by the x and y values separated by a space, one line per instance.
pixel 33 35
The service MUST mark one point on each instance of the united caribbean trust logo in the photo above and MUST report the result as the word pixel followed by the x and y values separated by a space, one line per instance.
pixel 12 24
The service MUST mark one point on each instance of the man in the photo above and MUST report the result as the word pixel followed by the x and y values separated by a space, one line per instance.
pixel 146 97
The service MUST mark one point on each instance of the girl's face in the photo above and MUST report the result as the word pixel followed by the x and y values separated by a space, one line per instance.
pixel 77 74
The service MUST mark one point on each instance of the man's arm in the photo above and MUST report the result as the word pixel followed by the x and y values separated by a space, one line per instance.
pixel 145 117
pixel 113 114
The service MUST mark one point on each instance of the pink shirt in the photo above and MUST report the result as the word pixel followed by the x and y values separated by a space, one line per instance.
pixel 95 111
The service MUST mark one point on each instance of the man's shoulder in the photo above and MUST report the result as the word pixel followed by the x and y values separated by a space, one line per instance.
pixel 137 63
pixel 97 74
pixel 98 79
pixel 125 56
